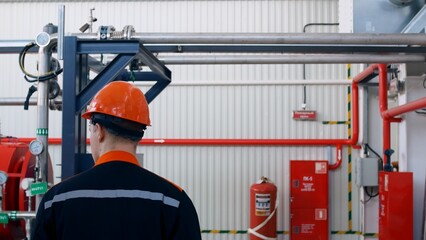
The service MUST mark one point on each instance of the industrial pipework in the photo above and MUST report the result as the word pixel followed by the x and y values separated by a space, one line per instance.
pixel 388 115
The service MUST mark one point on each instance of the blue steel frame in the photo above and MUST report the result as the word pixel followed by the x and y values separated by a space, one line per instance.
pixel 78 89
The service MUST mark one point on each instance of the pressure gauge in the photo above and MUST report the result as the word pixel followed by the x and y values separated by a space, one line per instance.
pixel 26 183
pixel 36 147
pixel 43 39
pixel 3 177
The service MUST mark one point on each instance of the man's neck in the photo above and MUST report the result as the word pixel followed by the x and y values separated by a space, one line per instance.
pixel 117 146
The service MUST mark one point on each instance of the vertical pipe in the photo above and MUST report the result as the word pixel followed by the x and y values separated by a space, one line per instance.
pixel 383 105
pixel 338 162
pixel 365 112
pixel 61 29
pixel 27 228
pixel 355 114
pixel 43 115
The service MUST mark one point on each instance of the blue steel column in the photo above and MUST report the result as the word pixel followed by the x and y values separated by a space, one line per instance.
pixel 71 75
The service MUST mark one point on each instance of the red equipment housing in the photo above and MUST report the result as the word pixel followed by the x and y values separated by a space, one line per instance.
pixel 309 200
pixel 396 205
pixel 263 217
pixel 18 163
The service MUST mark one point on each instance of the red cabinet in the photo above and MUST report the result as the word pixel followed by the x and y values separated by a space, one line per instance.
pixel 309 200
pixel 395 205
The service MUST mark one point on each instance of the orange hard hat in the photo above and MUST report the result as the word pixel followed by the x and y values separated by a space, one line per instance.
pixel 122 100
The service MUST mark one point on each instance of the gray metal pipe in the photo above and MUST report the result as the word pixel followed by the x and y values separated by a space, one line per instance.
pixel 183 59
pixel 283 38
pixel 43 116
pixel 61 31
pixel 16 101
pixel 13 215
pixel 275 38
pixel 290 59
pixel 27 216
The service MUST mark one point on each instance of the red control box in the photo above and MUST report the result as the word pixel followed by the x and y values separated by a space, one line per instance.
pixel 396 205
pixel 309 200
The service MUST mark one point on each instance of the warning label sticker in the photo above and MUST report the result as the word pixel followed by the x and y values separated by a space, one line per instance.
pixel 320 168
pixel 307 187
pixel 386 183
pixel 263 204
pixel 320 214
pixel 307 184
pixel 307 228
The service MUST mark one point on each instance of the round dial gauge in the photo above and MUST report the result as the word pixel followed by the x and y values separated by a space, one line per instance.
pixel 26 183
pixel 36 147
pixel 43 39
pixel 3 177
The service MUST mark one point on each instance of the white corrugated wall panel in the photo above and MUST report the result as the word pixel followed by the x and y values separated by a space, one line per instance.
pixel 216 178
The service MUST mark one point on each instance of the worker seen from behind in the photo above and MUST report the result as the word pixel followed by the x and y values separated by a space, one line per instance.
pixel 117 198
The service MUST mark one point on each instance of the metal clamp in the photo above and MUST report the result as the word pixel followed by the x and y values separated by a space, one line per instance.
pixel 105 32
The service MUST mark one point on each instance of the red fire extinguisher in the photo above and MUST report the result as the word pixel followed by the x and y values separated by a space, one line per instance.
pixel 263 208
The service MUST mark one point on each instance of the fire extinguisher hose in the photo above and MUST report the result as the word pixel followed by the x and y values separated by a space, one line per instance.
pixel 255 229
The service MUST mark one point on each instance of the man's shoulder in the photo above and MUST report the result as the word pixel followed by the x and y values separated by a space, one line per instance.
pixel 164 182
pixel 69 184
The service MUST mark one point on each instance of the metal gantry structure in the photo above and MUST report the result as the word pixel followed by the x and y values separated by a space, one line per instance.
pixel 80 89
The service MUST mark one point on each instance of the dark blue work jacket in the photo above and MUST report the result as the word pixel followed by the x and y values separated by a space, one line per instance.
pixel 116 199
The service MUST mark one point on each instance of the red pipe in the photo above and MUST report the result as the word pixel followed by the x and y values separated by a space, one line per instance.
pixel 355 115
pixel 244 141
pixel 408 107
pixel 383 100
pixel 338 162
pixel 388 115
pixel 364 74
pixel 215 142
pixel 250 142
pixel 320 142
pixel 383 105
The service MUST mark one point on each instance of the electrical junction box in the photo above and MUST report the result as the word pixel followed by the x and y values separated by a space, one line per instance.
pixel 367 172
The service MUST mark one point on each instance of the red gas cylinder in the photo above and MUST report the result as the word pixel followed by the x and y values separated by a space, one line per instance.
pixel 17 161
pixel 263 206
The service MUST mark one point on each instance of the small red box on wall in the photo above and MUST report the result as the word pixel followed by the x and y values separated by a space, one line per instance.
pixel 305 115
pixel 395 205
pixel 309 200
